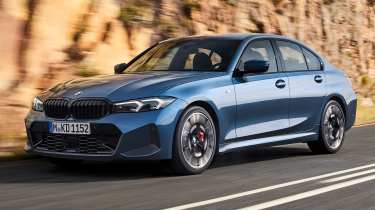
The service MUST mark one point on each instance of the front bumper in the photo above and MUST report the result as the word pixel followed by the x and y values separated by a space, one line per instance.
pixel 130 136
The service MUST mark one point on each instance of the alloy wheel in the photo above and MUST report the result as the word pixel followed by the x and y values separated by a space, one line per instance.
pixel 333 126
pixel 198 140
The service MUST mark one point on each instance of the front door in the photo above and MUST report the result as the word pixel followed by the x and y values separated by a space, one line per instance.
pixel 262 99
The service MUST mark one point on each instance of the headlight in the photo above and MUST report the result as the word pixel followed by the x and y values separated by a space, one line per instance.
pixel 143 105
pixel 37 105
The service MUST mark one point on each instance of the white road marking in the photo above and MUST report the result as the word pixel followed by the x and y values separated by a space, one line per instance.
pixel 251 192
pixel 349 176
pixel 308 194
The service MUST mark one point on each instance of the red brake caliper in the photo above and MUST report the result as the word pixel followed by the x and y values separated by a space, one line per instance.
pixel 200 136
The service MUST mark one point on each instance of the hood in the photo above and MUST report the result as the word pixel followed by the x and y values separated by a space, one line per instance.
pixel 125 86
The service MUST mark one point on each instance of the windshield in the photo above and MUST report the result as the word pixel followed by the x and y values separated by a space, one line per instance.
pixel 206 54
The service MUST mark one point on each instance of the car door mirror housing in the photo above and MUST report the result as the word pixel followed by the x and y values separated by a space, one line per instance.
pixel 119 68
pixel 255 66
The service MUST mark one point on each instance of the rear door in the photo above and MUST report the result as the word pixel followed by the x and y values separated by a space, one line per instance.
pixel 262 99
pixel 306 84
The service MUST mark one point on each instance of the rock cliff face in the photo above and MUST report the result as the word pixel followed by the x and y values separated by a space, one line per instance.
pixel 46 41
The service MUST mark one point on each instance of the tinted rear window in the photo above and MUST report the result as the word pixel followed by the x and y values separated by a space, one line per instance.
pixel 292 56
pixel 313 62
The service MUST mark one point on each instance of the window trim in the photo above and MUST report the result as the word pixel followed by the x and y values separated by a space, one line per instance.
pixel 300 46
pixel 279 68
pixel 281 58
pixel 314 54
pixel 138 56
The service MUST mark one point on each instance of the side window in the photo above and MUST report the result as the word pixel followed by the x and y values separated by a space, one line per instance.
pixel 259 50
pixel 312 61
pixel 292 56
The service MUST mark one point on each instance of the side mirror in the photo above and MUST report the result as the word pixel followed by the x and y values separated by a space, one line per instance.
pixel 120 67
pixel 255 66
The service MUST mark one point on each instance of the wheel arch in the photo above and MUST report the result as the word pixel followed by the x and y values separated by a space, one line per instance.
pixel 339 99
pixel 176 155
pixel 210 109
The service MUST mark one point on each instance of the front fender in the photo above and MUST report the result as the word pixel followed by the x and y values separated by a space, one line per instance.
pixel 219 94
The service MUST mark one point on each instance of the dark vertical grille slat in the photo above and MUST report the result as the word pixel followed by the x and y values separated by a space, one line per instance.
pixel 93 109
pixel 89 109
pixel 86 109
pixel 53 107
pixel 58 108
pixel 86 112
pixel 103 108
pixel 98 106
pixel 81 110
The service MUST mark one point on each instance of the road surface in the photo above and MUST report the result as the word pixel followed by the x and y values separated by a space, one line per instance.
pixel 284 177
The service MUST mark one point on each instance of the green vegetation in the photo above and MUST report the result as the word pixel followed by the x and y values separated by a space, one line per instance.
pixel 14 137
pixel 128 15
pixel 365 80
pixel 133 13
pixel 168 28
pixel 11 146
pixel 365 114
pixel 235 2
pixel 328 2
pixel 85 70
pixel 367 86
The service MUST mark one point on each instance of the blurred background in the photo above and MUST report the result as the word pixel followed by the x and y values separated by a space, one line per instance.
pixel 44 42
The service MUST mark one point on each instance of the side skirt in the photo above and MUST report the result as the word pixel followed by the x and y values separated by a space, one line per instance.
pixel 269 141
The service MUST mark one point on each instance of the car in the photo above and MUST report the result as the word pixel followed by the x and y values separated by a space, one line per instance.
pixel 186 100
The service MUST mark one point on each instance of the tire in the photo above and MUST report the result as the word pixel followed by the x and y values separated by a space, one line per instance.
pixel 65 163
pixel 332 130
pixel 194 146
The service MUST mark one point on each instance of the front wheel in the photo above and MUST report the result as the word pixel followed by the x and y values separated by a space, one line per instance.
pixel 332 130
pixel 195 142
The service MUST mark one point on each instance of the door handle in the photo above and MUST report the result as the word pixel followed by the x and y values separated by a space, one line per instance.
pixel 280 83
pixel 318 79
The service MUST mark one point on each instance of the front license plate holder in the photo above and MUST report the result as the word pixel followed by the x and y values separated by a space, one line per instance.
pixel 74 128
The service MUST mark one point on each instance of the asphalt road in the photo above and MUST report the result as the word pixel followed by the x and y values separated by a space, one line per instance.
pixel 286 177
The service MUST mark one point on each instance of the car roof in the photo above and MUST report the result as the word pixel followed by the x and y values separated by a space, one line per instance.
pixel 234 36
pixel 245 36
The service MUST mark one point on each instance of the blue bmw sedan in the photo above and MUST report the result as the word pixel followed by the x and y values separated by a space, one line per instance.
pixel 186 100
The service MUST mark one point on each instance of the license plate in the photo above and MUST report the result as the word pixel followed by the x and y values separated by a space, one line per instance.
pixel 69 128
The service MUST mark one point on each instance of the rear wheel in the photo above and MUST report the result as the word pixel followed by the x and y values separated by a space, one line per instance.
pixel 332 130
pixel 195 142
